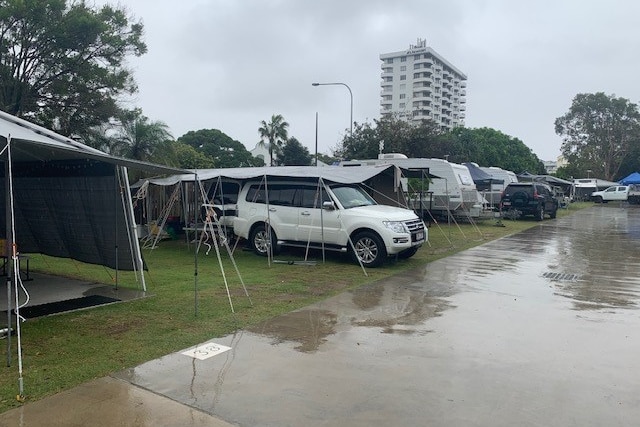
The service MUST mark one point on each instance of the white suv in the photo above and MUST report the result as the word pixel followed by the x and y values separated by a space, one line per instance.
pixel 305 214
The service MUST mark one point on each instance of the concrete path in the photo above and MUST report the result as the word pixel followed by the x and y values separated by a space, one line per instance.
pixel 537 329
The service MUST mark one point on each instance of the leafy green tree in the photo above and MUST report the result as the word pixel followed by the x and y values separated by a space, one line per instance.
pixel 102 137
pixel 220 147
pixel 142 139
pixel 324 158
pixel 389 134
pixel 490 147
pixel 62 63
pixel 295 154
pixel 427 141
pixel 485 146
pixel 274 133
pixel 363 143
pixel 599 132
pixel 188 157
pixel 631 162
pixel 569 172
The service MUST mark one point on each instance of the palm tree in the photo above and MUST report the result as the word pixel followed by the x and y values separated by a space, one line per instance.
pixel 275 133
pixel 141 139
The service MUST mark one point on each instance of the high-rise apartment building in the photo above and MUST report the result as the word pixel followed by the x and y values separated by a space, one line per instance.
pixel 418 84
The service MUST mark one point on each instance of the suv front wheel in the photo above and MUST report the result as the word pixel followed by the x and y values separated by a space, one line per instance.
pixel 263 240
pixel 369 249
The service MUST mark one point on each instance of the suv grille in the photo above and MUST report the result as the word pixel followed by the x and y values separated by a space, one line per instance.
pixel 414 225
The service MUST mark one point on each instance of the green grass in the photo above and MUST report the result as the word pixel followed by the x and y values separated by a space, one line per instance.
pixel 62 351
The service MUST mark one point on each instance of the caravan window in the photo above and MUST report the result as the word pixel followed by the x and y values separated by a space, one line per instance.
pixel 465 180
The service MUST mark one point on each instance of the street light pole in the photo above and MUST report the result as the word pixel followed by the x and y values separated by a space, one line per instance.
pixel 350 97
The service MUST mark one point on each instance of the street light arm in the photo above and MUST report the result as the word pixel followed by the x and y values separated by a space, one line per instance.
pixel 350 97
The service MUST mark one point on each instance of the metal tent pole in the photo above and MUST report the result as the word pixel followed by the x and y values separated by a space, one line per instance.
pixel 8 238
pixel 196 213
pixel 135 243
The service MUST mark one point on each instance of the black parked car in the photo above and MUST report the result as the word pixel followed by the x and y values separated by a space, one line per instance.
pixel 529 198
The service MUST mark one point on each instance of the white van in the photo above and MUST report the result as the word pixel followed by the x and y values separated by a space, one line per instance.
pixel 339 217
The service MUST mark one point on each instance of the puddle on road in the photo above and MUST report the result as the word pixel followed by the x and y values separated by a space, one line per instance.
pixel 309 328
pixel 414 312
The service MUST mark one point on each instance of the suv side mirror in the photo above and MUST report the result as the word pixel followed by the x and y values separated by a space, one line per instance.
pixel 328 206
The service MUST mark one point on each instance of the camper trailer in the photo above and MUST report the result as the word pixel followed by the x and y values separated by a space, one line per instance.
pixel 585 186
pixel 503 178
pixel 451 190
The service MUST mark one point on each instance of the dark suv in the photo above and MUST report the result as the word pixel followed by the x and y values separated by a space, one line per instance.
pixel 529 198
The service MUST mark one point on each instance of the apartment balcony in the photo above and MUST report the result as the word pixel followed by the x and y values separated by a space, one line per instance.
pixel 462 100
pixel 421 105
pixel 463 84
pixel 423 78
pixel 421 95
pixel 418 85
pixel 422 114
pixel 424 61
pixel 422 74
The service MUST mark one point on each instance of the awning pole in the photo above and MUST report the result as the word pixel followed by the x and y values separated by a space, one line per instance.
pixel 15 271
pixel 132 232
pixel 196 214
pixel 6 253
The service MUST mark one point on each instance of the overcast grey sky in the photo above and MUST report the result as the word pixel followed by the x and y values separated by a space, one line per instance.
pixel 228 64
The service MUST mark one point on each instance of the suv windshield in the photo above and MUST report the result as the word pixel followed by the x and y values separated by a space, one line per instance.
pixel 351 197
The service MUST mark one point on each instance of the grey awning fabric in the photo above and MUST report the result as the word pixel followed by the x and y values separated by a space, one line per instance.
pixel 67 196
pixel 31 142
pixel 336 174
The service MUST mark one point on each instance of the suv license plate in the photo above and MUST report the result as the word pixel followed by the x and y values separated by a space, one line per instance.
pixel 419 236
pixel 506 203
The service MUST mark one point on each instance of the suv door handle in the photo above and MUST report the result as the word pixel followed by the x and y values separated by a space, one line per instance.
pixel 305 213
pixel 272 209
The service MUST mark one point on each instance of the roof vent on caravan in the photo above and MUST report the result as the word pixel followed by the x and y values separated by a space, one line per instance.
pixel 386 156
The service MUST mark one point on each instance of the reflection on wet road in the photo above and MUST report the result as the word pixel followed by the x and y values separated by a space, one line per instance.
pixel 536 329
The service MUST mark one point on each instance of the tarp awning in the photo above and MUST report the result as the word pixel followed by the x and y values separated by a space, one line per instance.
pixel 67 197
pixel 31 142
pixel 633 178
pixel 336 174
pixel 480 177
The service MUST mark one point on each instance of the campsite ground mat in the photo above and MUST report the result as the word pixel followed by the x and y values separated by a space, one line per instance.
pixel 30 312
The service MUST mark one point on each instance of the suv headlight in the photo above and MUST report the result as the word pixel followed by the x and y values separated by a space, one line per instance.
pixel 396 226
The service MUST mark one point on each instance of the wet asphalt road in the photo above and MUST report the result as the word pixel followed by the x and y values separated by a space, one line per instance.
pixel 538 329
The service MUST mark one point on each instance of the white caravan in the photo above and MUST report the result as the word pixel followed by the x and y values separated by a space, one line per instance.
pixel 585 186
pixel 499 174
pixel 452 192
